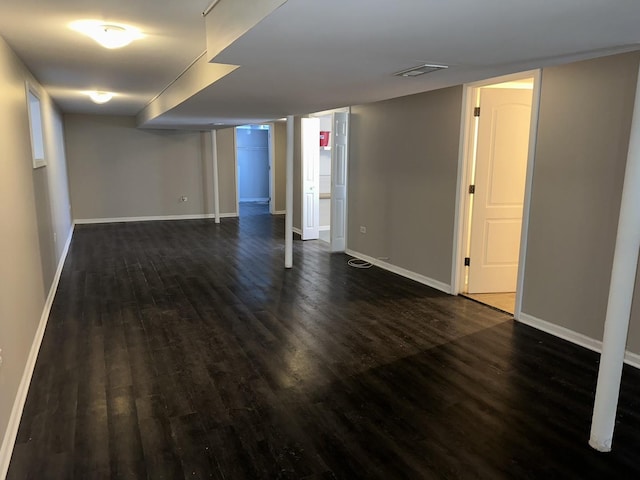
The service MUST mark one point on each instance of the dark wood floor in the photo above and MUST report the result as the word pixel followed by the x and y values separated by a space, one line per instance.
pixel 185 350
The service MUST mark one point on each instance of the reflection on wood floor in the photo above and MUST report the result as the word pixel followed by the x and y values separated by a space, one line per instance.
pixel 184 350
pixel 502 301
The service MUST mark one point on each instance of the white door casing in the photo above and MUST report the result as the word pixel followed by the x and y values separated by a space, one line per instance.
pixel 500 175
pixel 310 178
pixel 339 155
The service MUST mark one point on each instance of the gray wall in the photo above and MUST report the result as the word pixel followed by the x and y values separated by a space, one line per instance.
pixel 280 166
pixel 34 207
pixel 581 149
pixel 403 159
pixel 402 182
pixel 117 170
pixel 227 170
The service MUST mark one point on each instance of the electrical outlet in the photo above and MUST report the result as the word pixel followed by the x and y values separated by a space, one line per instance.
pixel 184 198
pixel 363 229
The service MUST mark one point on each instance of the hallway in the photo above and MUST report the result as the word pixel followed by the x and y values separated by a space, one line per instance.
pixel 184 349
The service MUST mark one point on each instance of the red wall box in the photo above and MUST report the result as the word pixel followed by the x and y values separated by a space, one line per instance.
pixel 324 139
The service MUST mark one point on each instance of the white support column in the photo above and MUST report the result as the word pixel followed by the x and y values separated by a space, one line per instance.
pixel 216 183
pixel 288 222
pixel 623 274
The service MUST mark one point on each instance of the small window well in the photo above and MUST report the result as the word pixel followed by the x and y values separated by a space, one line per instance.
pixel 34 113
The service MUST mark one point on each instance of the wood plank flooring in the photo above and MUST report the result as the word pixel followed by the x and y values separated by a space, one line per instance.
pixel 184 350
pixel 502 301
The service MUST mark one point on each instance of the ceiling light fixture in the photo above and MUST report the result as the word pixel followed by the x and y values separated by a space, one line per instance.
pixel 420 70
pixel 109 35
pixel 100 97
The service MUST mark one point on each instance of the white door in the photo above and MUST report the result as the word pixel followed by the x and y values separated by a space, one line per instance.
pixel 339 181
pixel 310 178
pixel 501 164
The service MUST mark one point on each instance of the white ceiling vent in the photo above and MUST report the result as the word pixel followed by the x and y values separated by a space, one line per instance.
pixel 420 70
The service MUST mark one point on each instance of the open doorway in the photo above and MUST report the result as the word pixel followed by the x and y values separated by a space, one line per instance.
pixel 253 160
pixel 325 139
pixel 496 175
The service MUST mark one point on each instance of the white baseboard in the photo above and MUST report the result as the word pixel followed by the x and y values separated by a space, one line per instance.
pixel 324 228
pixel 299 231
pixel 630 358
pixel 6 450
pixel 199 216
pixel 279 212
pixel 438 285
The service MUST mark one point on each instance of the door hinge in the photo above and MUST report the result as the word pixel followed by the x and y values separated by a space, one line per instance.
pixel 472 189
pixel 467 261
pixel 476 112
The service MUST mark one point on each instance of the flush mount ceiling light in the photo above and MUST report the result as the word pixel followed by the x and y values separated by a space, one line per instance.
pixel 420 70
pixel 100 97
pixel 109 35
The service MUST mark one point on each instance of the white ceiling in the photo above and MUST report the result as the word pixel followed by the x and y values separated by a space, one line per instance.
pixel 308 55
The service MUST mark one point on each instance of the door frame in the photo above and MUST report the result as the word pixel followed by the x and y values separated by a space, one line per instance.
pixel 325 113
pixel 465 165
pixel 309 146
pixel 271 149
pixel 272 153
pixel 235 169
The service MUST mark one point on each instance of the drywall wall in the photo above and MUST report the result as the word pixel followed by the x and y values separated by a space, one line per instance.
pixel 226 140
pixel 117 170
pixel 226 172
pixel 279 139
pixel 581 150
pixel 403 160
pixel 57 177
pixel 33 206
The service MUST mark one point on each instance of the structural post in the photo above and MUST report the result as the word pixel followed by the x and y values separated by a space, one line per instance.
pixel 288 222
pixel 623 274
pixel 216 184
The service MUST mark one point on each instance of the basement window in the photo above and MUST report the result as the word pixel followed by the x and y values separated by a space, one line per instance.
pixel 34 112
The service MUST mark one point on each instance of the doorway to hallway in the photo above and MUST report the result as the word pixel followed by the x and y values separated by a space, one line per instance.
pixel 253 159
pixel 495 166
pixel 325 142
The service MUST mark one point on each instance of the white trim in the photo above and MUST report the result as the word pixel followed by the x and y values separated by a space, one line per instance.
pixel 430 282
pixel 6 450
pixel 457 271
pixel 528 187
pixel 630 358
pixel 288 219
pixel 346 200
pixel 272 153
pixel 324 228
pixel 324 113
pixel 215 174
pixel 280 212
pixel 297 230
pixel 199 216
pixel 235 168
